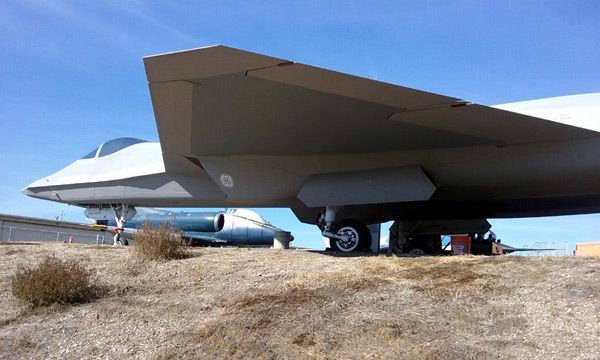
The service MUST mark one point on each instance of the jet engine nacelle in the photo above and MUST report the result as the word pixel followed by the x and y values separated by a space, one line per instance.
pixel 203 222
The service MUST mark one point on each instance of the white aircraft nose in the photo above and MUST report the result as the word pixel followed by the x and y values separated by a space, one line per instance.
pixel 30 189
pixel 46 195
pixel 27 191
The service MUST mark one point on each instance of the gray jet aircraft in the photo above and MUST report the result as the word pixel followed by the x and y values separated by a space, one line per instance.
pixel 240 129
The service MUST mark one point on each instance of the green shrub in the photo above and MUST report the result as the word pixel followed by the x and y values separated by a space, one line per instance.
pixel 158 243
pixel 53 281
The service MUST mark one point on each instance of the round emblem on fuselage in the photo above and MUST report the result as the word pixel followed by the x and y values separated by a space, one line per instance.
pixel 227 181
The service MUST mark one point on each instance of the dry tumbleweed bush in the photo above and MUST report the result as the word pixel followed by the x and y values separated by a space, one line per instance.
pixel 158 243
pixel 53 281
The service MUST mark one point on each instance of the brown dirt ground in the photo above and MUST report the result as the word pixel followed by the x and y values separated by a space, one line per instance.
pixel 277 304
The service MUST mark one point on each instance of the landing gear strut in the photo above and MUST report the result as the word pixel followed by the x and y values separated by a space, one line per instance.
pixel 123 213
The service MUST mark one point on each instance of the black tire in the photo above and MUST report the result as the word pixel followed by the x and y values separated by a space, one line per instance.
pixel 423 245
pixel 360 236
pixel 122 241
pixel 417 252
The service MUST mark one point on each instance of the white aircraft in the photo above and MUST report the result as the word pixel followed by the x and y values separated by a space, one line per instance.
pixel 239 129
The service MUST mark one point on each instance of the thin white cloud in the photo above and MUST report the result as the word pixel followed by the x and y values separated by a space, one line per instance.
pixel 71 33
pixel 140 11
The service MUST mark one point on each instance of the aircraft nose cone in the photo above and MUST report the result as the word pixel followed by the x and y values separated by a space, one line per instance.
pixel 41 194
pixel 27 191
pixel 35 189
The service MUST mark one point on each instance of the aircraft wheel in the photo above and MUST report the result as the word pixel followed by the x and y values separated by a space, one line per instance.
pixel 422 245
pixel 416 252
pixel 358 235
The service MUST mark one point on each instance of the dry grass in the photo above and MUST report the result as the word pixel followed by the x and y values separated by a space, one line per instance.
pixel 161 242
pixel 267 304
pixel 53 281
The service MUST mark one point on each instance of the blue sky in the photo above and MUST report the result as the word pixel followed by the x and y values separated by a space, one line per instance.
pixel 72 75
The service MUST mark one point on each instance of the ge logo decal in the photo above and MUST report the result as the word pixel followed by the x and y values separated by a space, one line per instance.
pixel 227 181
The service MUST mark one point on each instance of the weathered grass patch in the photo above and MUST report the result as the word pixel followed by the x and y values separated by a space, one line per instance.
pixel 158 243
pixel 53 281
pixel 266 304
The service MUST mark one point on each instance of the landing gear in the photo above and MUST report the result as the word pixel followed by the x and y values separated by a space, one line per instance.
pixel 346 235
pixel 416 252
pixel 419 245
pixel 117 238
pixel 353 236
pixel 403 240
pixel 123 213
pixel 424 237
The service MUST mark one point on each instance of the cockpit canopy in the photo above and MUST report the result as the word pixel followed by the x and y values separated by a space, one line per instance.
pixel 112 146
